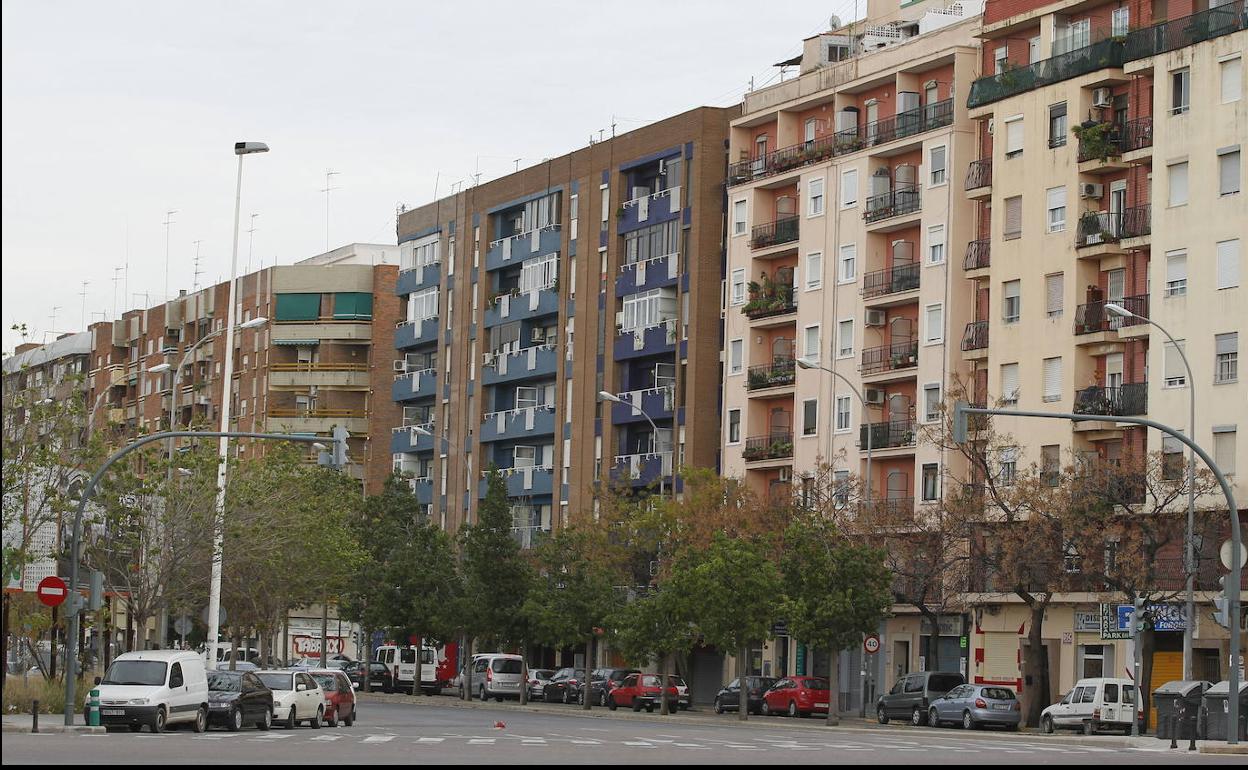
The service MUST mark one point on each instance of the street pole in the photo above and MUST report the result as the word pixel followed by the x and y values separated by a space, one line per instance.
pixel 608 396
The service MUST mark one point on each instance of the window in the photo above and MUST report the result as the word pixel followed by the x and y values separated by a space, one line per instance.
pixel 1176 273
pixel 1226 361
pixel 422 305
pixel 1052 379
pixel 1057 125
pixel 648 309
pixel 931 402
pixel 934 320
pixel 1228 170
pixel 814 197
pixel 843 404
pixel 1178 183
pixel 1224 448
pixel 652 242
pixel 1171 458
pixel 840 482
pixel 1180 91
pixel 937 165
pixel 734 357
pixel 1013 222
pixel 1057 209
pixel 810 344
pixel 738 286
pixel 1000 59
pixel 1011 301
pixel 1014 137
pixel 1053 299
pixel 849 258
pixel 1008 459
pixel 1009 383
pixel 538 274
pixel 1050 464
pixel 1228 264
pixel 1175 371
pixel 1231 73
pixel 845 338
pixel 810 416
pixel 734 426
pixel 931 481
pixel 935 244
pixel 1119 21
pixel 849 188
pixel 814 271
pixel 738 218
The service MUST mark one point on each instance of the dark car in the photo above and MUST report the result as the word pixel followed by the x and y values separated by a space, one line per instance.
pixel 728 698
pixel 562 686
pixel 236 698
pixel 912 696
pixel 603 680
pixel 380 678
pixel 538 677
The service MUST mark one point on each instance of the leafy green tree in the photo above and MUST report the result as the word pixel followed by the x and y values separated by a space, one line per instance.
pixel 656 627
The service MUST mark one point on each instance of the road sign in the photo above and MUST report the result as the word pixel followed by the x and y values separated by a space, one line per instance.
pixel 871 644
pixel 52 590
pixel 183 625
pixel 1225 553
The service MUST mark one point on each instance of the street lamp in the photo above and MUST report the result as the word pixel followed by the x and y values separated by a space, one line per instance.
pixel 241 149
pixel 605 396
pixel 423 431
pixel 1115 309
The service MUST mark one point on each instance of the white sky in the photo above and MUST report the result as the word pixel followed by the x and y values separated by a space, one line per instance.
pixel 114 113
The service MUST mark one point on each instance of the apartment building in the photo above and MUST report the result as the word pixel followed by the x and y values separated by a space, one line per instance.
pixel 843 212
pixel 1109 173
pixel 527 295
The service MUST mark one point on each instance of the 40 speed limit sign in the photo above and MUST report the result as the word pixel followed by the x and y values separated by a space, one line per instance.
pixel 871 644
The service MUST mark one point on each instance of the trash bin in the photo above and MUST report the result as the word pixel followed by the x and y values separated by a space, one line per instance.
pixel 1217 711
pixel 1178 708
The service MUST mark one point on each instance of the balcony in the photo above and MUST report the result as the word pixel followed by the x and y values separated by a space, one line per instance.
pixel 514 424
pixel 1098 142
pixel 419 277
pixel 1123 401
pixel 975 338
pixel 331 375
pixel 295 332
pixel 781 231
pixel 317 420
pixel 895 203
pixel 978 255
pixel 422 487
pixel 524 481
pixel 659 339
pixel 658 403
pixel 410 386
pixel 538 361
pixel 405 439
pixel 1081 61
pixel 889 358
pixel 647 274
pixel 979 179
pixel 1180 33
pixel 531 536
pixel 514 249
pixel 643 469
pixel 769 300
pixel 1092 317
pixel 781 160
pixel 1137 135
pixel 773 446
pixel 508 307
pixel 652 209
pixel 409 334
pixel 1098 227
pixel 892 511
pixel 779 373
pixel 1137 222
pixel 892 280
pixel 887 435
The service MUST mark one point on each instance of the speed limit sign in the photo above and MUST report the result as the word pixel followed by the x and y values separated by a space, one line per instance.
pixel 871 644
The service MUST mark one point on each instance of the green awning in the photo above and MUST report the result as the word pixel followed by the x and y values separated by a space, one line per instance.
pixel 298 307
pixel 353 305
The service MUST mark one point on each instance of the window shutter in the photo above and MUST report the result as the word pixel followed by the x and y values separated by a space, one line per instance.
pixel 298 307
pixel 1014 136
pixel 1052 379
pixel 1014 216
pixel 1224 450
pixel 1228 264
pixel 1174 362
pixel 1009 382
pixel 1053 293
pixel 1176 266
pixel 1057 198
pixel 1226 343
pixel 849 187
pixel 938 160
pixel 1228 171
pixel 1231 74
pixel 1178 184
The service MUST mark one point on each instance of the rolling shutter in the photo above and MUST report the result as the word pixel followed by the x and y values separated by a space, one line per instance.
pixel 1053 293
pixel 298 307
pixel 1052 379
pixel 1000 656
pixel 1009 382
pixel 1013 216
pixel 350 305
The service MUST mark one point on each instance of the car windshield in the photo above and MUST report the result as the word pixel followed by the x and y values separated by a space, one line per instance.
pixel 650 680
pixel 540 673
pixel 223 681
pixel 943 682
pixel 676 681
pixel 998 693
pixel 505 666
pixel 328 682
pixel 277 681
pixel 136 672
pixel 816 683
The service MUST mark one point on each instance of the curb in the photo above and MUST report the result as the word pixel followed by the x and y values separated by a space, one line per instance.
pixel 55 728
pixel 1222 748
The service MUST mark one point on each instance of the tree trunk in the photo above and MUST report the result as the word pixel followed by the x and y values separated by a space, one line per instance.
pixel 106 646
pixel 235 638
pixel 589 668
pixel 834 687
pixel 325 642
pixel 4 644
pixel 743 692
pixel 1148 645
pixel 467 655
pixel 664 708
pixel 933 639
pixel 286 637
pixel 1035 667
pixel 367 658
pixel 524 675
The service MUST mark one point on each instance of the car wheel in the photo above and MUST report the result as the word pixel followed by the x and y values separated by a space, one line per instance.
pixel 765 710
pixel 236 720
pixel 932 718
pixel 201 720
pixel 290 720
pixel 498 698
pixel 881 716
pixel 636 705
pixel 349 719
pixel 968 722
pixel 1046 725
pixel 1012 728
pixel 333 721
pixel 719 707
pixel 650 709
pixel 916 717
pixel 267 722
pixel 315 722
pixel 611 704
pixel 159 721
pixel 602 698
pixel 1089 728
pixel 567 696
pixel 792 708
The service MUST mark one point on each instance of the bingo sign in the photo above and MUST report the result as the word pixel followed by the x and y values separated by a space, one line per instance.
pixel 310 646
pixel 871 644
pixel 1116 619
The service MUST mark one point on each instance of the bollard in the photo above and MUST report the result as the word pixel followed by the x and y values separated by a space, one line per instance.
pixel 1174 731
pixel 93 708
pixel 34 715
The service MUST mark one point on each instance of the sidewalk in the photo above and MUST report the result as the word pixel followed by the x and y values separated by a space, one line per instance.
pixel 48 723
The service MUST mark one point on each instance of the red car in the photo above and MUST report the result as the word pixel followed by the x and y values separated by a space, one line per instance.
pixel 339 696
pixel 797 695
pixel 640 691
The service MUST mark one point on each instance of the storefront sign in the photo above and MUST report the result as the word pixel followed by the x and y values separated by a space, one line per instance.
pixel 310 646
pixel 1087 621
pixel 950 625
pixel 801 659
pixel 1116 619
pixel 1109 623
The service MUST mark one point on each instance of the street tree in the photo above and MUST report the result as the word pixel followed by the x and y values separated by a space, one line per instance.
pixel 654 627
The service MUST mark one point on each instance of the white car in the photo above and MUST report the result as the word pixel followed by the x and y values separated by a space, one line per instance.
pixel 155 688
pixel 296 698
pixel 1093 705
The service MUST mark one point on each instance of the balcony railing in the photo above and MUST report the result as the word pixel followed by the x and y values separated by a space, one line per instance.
pixel 1097 227
pixel 1093 317
pixel 1137 221
pixel 1188 30
pixel 773 446
pixel 782 371
pixel 977 254
pixel 888 358
pixel 782 230
pixel 1137 134
pixel 886 435
pixel 892 280
pixel 908 123
pixel 769 301
pixel 895 203
pixel 979 173
pixel 976 336
pixel 892 510
pixel 1123 401
pixel 994 88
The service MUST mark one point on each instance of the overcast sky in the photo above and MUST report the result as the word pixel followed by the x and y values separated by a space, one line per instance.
pixel 114 113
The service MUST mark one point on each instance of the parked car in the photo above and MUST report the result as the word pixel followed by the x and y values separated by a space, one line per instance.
pixel 640 691
pixel 728 697
pixel 562 686
pixel 683 699
pixel 796 696
pixel 602 680
pixel 538 677
pixel 497 676
pixel 912 696
pixel 156 688
pixel 379 677
pixel 236 698
pixel 973 705
pixel 339 695
pixel 458 681
pixel 1093 705
pixel 296 697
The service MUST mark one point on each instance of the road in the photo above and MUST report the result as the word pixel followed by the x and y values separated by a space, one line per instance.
pixel 405 733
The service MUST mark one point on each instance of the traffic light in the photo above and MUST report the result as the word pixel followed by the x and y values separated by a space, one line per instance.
pixel 96 598
pixel 339 449
pixel 1140 617
pixel 959 422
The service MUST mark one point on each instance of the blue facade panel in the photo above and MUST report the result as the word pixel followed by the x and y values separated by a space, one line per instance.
pixel 655 402
pixel 417 278
pixel 415 385
pixel 521 307
pixel 533 483
pixel 407 440
pixel 644 276
pixel 663 206
pixel 410 335
pixel 654 341
pixel 512 251
pixel 643 470
pixel 534 362
pixel 515 425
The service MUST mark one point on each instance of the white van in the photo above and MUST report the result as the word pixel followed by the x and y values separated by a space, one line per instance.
pixel 401 662
pixel 155 688
pixel 1093 705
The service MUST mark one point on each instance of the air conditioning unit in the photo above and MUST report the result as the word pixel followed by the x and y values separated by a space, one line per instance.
pixel 1101 97
pixel 400 365
pixel 876 318
pixel 876 396
pixel 991 126
pixel 663 166
pixel 1091 190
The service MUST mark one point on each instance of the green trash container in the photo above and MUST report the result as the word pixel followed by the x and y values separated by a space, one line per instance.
pixel 1217 711
pixel 1178 708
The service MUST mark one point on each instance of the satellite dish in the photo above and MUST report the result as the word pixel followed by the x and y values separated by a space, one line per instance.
pixel 834 22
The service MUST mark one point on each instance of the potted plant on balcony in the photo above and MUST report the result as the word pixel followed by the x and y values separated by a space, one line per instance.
pixel 780 449
pixel 1095 140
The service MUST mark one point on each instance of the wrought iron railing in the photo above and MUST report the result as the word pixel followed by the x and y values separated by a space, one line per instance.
pixel 1093 317
pixel 979 173
pixel 1137 221
pixel 770 447
pixel 976 336
pixel 898 202
pixel 1121 401
pixel 783 230
pixel 1137 134
pixel 778 300
pixel 1017 80
pixel 782 371
pixel 1188 30
pixel 891 280
pixel 892 510
pixel 1096 227
pixel 886 435
pixel 888 358
pixel 977 254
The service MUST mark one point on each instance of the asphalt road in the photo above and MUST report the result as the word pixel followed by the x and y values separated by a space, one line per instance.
pixel 407 734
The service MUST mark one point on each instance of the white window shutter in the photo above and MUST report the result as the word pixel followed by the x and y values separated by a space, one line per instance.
pixel 1009 381
pixel 1052 379
pixel 1228 264
pixel 1174 362
pixel 1014 136
pixel 1053 293
pixel 1178 184
pixel 1014 215
pixel 1176 266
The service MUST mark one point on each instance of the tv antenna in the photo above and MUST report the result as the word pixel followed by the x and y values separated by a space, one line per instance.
pixel 198 272
pixel 168 224
pixel 251 239
pixel 329 173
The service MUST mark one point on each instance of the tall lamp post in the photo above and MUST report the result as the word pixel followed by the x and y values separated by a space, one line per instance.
pixel 1190 547
pixel 605 396
pixel 241 149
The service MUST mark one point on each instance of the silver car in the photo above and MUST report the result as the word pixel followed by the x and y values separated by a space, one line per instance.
pixel 973 705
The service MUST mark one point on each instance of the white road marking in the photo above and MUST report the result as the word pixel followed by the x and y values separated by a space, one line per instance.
pixel 481 741
pixel 639 743
pixel 586 743
pixel 378 739
pixel 330 738
pixel 429 740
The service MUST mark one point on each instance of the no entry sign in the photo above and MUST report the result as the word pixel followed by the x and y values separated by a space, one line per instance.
pixel 52 591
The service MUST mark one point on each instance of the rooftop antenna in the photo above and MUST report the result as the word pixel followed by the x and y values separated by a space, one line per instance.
pixel 147 297
pixel 168 223
pixel 53 324
pixel 329 172
pixel 518 163
pixel 83 294
pixel 198 272
pixel 116 278
pixel 251 240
